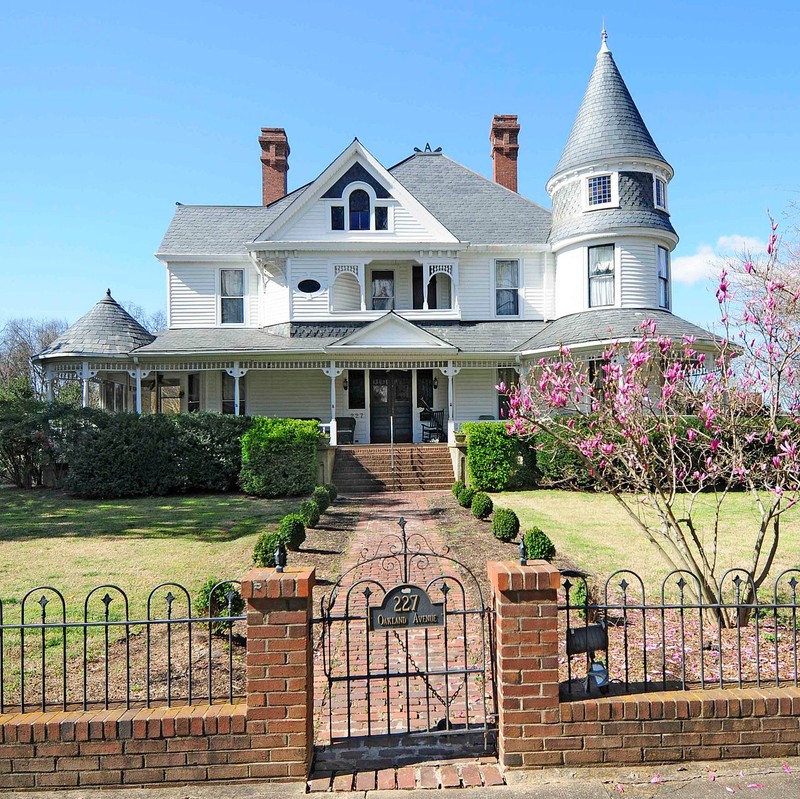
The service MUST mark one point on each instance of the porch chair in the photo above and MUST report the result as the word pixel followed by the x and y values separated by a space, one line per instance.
pixel 432 424
pixel 345 429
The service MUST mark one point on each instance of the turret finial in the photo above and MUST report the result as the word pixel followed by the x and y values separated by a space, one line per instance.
pixel 604 39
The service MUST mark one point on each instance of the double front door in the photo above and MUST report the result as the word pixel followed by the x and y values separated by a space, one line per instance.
pixel 390 405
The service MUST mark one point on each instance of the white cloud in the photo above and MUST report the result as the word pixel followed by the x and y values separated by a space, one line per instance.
pixel 708 260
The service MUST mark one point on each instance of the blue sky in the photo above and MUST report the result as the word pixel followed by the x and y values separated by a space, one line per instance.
pixel 110 113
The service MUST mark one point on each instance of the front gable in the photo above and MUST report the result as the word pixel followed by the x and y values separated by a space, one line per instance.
pixel 311 218
pixel 391 332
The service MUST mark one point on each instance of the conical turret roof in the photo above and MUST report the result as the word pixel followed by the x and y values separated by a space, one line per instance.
pixel 106 330
pixel 608 124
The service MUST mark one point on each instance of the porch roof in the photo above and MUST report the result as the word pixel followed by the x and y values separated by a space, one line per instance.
pixel 314 337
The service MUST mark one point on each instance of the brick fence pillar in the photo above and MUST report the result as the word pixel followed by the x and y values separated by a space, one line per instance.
pixel 527 662
pixel 280 670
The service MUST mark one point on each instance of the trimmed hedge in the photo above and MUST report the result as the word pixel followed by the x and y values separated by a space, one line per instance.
pixel 125 455
pixel 333 492
pixel 482 505
pixel 212 601
pixel 279 457
pixel 496 461
pixel 505 524
pixel 293 527
pixel 458 487
pixel 309 510
pixel 322 497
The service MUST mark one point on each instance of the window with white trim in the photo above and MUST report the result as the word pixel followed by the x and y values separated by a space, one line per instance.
pixel 599 190
pixel 660 193
pixel 506 287
pixel 601 276
pixel 359 212
pixel 231 292
pixel 663 277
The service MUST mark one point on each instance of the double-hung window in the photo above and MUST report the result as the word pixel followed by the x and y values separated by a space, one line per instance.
pixel 382 291
pixel 506 287
pixel 663 277
pixel 231 290
pixel 601 275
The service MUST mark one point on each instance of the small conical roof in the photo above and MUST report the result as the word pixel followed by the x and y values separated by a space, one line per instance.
pixel 106 330
pixel 608 123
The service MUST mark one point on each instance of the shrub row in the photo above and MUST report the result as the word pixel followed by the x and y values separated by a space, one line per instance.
pixel 291 532
pixel 495 459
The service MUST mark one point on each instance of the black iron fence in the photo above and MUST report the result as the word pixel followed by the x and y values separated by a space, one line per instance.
pixel 616 638
pixel 97 654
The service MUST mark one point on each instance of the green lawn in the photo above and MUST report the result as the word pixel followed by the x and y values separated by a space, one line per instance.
pixel 49 538
pixel 594 531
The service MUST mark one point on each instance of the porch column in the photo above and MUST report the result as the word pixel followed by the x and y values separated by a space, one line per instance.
pixel 48 383
pixel 332 372
pixel 236 373
pixel 450 372
pixel 86 375
pixel 426 278
pixel 138 375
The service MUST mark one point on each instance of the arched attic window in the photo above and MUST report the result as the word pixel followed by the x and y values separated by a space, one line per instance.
pixel 359 210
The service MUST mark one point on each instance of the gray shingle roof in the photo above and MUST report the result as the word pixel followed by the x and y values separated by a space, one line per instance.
pixel 219 229
pixel 472 207
pixel 612 324
pixel 106 330
pixel 608 123
pixel 608 220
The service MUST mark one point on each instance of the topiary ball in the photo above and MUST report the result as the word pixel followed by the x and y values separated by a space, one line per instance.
pixel 264 552
pixel 465 497
pixel 458 487
pixel 505 524
pixel 333 492
pixel 538 545
pixel 294 528
pixel 482 505
pixel 321 497
pixel 310 512
pixel 213 600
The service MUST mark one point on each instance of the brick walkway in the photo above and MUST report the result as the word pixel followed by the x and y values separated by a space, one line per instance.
pixel 427 695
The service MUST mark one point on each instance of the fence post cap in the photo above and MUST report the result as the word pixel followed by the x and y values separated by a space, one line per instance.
pixel 536 575
pixel 292 582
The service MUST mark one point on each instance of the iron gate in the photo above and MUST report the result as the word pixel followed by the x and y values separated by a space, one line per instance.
pixel 404 637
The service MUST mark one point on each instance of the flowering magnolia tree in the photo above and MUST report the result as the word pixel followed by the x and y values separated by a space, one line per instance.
pixel 665 427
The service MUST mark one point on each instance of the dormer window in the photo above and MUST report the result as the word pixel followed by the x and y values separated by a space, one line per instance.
pixel 600 191
pixel 359 210
pixel 660 193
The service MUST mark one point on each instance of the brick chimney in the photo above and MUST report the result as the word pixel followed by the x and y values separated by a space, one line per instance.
pixel 274 163
pixel 503 136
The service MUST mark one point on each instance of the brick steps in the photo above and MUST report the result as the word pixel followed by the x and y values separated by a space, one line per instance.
pixel 417 467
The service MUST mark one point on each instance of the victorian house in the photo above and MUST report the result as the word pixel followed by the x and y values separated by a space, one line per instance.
pixel 389 302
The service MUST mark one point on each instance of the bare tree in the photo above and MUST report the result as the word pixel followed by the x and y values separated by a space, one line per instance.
pixel 152 322
pixel 20 340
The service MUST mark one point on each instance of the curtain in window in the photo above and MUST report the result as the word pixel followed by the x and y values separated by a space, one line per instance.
pixel 382 291
pixel 507 287
pixel 232 291
pixel 232 282
pixel 601 276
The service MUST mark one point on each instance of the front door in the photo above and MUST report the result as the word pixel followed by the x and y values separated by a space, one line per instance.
pixel 390 404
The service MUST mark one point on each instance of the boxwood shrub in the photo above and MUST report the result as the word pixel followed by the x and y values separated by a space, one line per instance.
pixel 538 545
pixel 212 600
pixel 279 457
pixel 266 545
pixel 505 524
pixel 482 505
pixel 321 496
pixel 458 487
pixel 293 527
pixel 496 461
pixel 309 510
pixel 465 497
pixel 333 492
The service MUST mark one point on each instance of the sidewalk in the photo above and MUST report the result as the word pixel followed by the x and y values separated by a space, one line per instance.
pixel 759 779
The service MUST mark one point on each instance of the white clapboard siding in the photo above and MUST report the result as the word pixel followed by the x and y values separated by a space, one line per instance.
pixel 308 307
pixel 253 281
pixel 192 295
pixel 570 289
pixel 289 393
pixel 638 273
pixel 475 394
pixel 532 294
pixel 346 293
pixel 276 300
pixel 475 286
